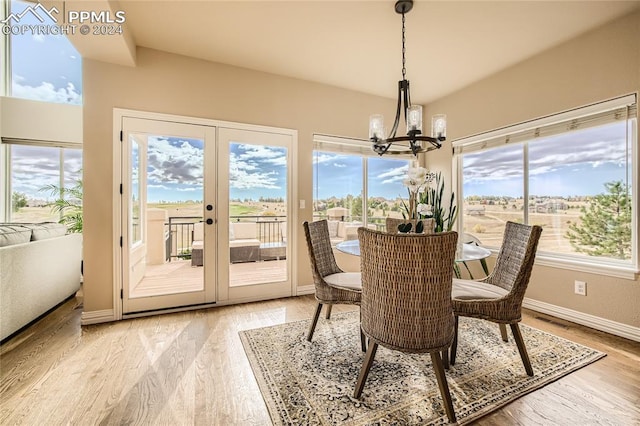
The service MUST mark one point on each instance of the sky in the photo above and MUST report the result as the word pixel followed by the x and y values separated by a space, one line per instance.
pixel 574 163
pixel 44 67
pixel 175 170
pixel 341 174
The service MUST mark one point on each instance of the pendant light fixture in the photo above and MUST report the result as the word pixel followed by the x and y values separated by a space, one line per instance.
pixel 414 142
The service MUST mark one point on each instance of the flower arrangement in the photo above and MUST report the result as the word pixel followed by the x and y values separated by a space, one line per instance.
pixel 425 201
pixel 417 180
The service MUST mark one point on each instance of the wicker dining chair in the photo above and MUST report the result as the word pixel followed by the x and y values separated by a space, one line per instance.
pixel 498 297
pixel 333 285
pixel 406 298
pixel 393 222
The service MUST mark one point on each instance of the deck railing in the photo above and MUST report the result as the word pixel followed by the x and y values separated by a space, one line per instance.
pixel 180 230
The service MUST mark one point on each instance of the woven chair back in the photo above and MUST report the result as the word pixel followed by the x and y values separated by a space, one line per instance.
pixel 515 258
pixel 393 222
pixel 323 262
pixel 406 289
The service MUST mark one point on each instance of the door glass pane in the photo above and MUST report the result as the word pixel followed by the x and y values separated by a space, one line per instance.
pixel 257 214
pixel 135 231
pixel 169 206
pixel 493 192
pixel 385 189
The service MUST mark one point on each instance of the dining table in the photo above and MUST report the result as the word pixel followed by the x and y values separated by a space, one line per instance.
pixel 466 252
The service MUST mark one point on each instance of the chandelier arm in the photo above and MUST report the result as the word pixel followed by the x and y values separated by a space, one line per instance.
pixel 398 112
pixel 407 98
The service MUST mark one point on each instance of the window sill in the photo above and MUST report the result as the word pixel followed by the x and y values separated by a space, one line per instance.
pixel 627 272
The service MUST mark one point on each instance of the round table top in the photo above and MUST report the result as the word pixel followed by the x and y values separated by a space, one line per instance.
pixel 468 251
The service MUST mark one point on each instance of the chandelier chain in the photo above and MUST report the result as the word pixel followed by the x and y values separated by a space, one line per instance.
pixel 404 69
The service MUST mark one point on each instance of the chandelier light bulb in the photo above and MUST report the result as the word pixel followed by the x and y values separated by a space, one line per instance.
pixel 414 118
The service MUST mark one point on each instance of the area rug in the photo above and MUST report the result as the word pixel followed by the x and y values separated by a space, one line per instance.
pixel 312 383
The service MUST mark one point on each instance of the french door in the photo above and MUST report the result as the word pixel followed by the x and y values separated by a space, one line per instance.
pixel 207 214
pixel 255 187
pixel 168 215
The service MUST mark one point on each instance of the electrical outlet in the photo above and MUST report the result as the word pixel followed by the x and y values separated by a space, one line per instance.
pixel 580 288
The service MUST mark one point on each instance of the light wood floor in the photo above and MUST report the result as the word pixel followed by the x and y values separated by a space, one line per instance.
pixel 190 368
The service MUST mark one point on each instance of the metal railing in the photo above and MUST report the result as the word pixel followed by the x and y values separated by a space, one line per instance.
pixel 180 232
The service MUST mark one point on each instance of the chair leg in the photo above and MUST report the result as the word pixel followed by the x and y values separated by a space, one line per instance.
pixel 329 311
pixel 454 345
pixel 503 332
pixel 521 348
pixel 366 366
pixel 312 327
pixel 443 385
pixel 445 358
pixel 363 341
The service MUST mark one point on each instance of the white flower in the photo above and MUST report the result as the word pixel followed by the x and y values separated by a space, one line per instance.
pixel 418 173
pixel 424 209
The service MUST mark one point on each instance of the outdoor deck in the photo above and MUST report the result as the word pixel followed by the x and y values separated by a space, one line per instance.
pixel 179 276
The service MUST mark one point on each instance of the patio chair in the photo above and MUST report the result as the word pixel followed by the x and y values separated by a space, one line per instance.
pixel 406 305
pixel 393 222
pixel 333 285
pixel 498 297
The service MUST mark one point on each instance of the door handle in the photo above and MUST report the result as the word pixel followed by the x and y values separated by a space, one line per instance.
pixel 209 221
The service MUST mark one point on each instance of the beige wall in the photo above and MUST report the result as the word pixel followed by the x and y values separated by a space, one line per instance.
pixel 172 84
pixel 602 64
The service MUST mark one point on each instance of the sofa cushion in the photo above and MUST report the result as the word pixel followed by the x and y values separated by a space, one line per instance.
pixel 14 234
pixel 45 230
pixel 245 230
pixel 245 242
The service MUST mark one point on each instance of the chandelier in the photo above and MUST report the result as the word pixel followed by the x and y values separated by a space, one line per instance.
pixel 414 142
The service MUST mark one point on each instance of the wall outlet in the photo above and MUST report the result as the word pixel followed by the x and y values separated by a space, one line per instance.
pixel 580 287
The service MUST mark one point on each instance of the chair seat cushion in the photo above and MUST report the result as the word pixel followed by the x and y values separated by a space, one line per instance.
pixel 349 280
pixel 470 290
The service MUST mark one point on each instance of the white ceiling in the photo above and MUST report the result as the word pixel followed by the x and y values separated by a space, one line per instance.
pixel 357 44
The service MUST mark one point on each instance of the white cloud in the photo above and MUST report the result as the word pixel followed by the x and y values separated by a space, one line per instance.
pixel 39 38
pixel 339 165
pixel 174 161
pixel 46 92
pixel 394 175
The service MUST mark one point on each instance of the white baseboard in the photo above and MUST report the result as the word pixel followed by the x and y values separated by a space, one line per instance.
pixel 602 324
pixel 305 289
pixel 97 317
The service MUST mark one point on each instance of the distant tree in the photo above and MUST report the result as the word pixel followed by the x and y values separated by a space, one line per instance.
pixel 18 201
pixel 605 228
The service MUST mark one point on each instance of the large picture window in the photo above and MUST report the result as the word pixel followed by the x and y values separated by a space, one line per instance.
pixel 60 80
pixel 354 187
pixel 34 172
pixel 572 174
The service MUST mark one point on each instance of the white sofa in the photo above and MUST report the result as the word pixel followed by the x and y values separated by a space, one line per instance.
pixel 39 268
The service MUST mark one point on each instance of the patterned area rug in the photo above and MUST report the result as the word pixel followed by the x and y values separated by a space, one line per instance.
pixel 313 383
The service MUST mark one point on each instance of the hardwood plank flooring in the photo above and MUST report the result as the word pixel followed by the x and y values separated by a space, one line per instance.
pixel 190 369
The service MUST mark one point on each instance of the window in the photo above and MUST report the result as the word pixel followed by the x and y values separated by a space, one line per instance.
pixel 60 81
pixel 33 171
pixel 353 186
pixel 571 173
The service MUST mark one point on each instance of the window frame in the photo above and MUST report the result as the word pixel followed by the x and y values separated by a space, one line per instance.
pixel 355 147
pixel 6 157
pixel 575 262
